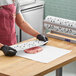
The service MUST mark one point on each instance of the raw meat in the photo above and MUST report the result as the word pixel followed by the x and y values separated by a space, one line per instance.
pixel 33 50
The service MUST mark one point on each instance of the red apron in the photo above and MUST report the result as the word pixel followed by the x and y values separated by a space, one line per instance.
pixel 7 24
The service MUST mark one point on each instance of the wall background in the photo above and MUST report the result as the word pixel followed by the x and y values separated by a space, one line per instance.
pixel 61 8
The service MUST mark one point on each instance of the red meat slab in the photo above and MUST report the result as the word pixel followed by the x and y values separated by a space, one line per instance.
pixel 33 50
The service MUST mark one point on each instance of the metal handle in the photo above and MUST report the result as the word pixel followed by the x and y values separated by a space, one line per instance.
pixel 32 9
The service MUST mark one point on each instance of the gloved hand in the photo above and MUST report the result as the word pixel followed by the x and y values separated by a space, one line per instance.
pixel 42 38
pixel 8 51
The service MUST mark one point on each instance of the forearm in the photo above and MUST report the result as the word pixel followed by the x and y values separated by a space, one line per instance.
pixel 25 26
pixel 28 29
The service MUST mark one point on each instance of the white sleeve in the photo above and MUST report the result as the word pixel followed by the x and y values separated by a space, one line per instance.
pixel 18 7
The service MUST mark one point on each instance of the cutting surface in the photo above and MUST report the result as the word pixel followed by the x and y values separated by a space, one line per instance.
pixel 48 54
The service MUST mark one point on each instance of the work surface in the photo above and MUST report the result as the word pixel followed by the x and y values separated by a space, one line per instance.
pixel 17 66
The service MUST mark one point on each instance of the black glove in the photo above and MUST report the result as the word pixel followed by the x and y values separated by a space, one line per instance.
pixel 42 38
pixel 8 51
